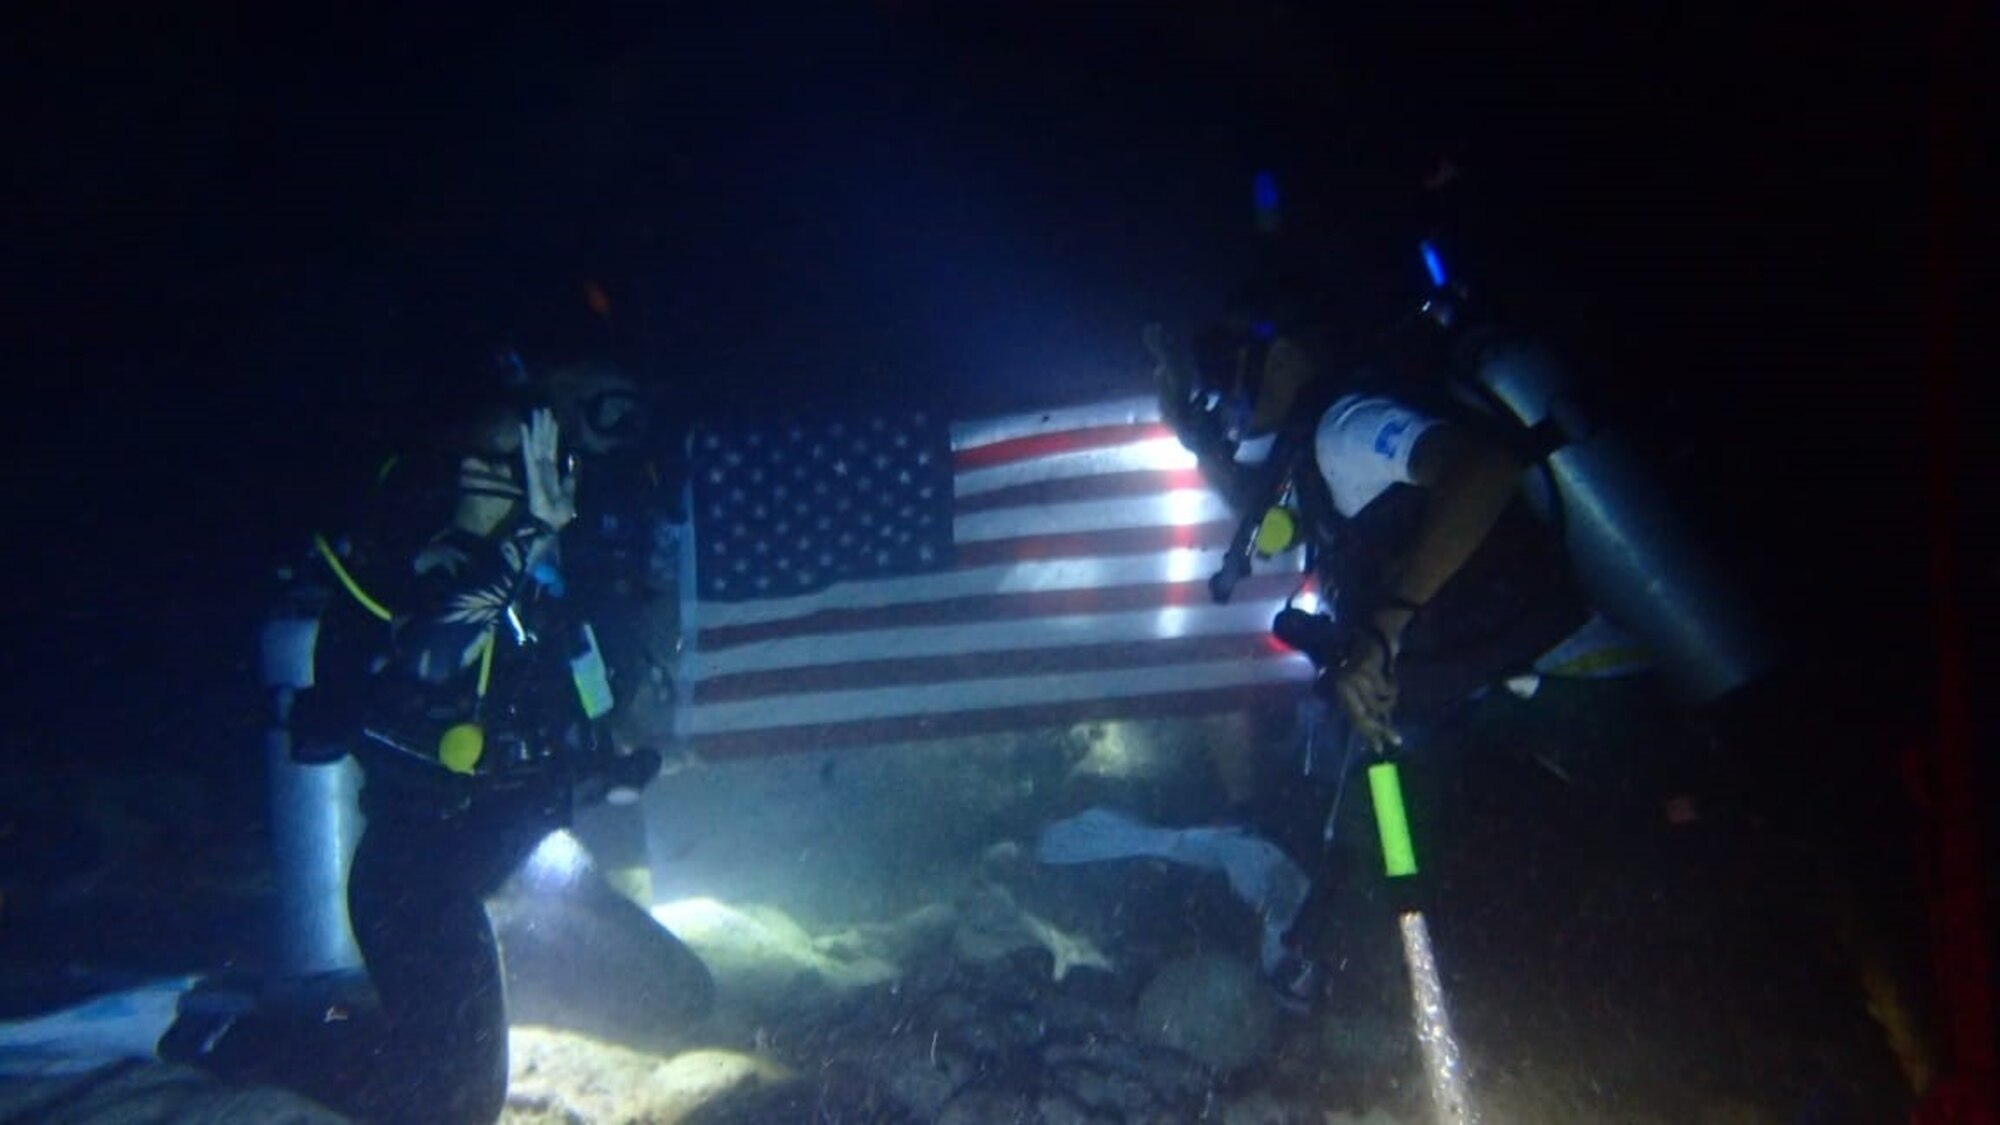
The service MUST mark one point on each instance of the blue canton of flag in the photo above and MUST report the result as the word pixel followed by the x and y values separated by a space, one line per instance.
pixel 794 509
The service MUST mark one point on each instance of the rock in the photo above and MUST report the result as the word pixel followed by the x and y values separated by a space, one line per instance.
pixel 1001 1041
pixel 1261 1108
pixel 992 926
pixel 561 1077
pixel 834 1094
pixel 1376 1116
pixel 921 1080
pixel 153 1093
pixel 761 959
pixel 894 942
pixel 1171 1075
pixel 1367 1039
pixel 1120 1096
pixel 1053 1109
pixel 1002 856
pixel 988 1107
pixel 1211 1007
pixel 582 957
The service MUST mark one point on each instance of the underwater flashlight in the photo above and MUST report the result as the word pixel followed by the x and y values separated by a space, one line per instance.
pixel 1392 822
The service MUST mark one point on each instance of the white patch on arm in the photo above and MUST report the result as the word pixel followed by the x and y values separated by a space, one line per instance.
pixel 1364 444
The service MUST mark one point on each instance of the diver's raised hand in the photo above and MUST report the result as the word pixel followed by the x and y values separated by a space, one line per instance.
pixel 551 490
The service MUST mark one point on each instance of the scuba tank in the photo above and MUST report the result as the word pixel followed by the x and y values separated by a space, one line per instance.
pixel 313 781
pixel 314 807
pixel 1638 565
pixel 1632 559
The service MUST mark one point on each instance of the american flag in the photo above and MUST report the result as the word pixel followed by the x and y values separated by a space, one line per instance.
pixel 896 578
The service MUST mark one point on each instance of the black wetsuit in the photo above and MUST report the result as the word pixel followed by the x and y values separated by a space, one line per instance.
pixel 1514 599
pixel 437 843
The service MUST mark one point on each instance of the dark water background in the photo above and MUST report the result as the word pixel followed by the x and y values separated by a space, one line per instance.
pixel 242 242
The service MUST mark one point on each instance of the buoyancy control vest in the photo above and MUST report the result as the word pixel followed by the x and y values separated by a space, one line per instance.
pixel 1514 598
pixel 353 582
pixel 535 680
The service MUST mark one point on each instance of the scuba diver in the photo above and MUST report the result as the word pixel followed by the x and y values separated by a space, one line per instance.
pixel 1460 524
pixel 479 710
pixel 1438 579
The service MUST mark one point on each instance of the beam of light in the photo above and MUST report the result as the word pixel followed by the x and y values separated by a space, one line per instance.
pixel 1188 507
pixel 557 863
pixel 1171 622
pixel 1189 564
pixel 1442 1064
pixel 1164 454
pixel 763 950
pixel 1433 263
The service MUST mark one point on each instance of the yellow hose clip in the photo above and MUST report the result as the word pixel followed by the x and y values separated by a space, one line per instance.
pixel 486 662
pixel 461 747
pixel 1277 532
pixel 463 744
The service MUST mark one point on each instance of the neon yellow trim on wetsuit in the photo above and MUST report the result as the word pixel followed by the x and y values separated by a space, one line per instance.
pixel 340 571
pixel 486 662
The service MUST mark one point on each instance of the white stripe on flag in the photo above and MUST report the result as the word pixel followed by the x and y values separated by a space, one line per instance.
pixel 1181 508
pixel 1039 576
pixel 1252 620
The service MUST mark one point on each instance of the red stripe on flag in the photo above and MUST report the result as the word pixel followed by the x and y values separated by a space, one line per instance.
pixel 1035 446
pixel 1096 544
pixel 1102 486
pixel 998 720
pixel 1023 607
